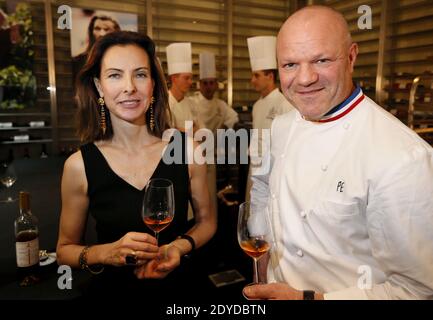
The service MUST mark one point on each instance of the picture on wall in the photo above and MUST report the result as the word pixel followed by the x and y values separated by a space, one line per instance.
pixel 89 25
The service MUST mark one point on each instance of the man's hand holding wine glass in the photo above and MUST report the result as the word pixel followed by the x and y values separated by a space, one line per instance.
pixel 254 237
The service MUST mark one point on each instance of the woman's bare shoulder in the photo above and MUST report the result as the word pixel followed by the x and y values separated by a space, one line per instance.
pixel 74 163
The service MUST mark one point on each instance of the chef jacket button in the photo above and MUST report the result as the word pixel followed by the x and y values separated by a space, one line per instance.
pixel 273 196
pixel 324 167
pixel 303 214
pixel 282 156
pixel 346 126
pixel 300 253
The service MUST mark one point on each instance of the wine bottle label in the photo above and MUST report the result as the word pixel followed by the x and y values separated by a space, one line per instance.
pixel 27 253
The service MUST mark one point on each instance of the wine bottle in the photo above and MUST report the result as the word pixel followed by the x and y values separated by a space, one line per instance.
pixel 27 242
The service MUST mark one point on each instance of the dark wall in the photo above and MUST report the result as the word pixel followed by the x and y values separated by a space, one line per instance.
pixel 42 178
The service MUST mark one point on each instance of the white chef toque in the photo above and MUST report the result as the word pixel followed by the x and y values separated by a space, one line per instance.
pixel 262 50
pixel 179 58
pixel 207 65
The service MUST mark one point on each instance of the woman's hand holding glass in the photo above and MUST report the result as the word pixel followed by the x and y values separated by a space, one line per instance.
pixel 157 213
pixel 134 248
pixel 158 205
pixel 168 260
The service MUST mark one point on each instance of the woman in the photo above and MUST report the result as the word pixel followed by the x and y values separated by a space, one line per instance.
pixel 98 27
pixel 123 109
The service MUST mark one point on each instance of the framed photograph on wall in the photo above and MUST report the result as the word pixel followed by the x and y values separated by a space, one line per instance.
pixel 89 25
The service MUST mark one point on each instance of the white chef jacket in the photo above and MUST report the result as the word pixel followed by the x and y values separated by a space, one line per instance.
pixel 264 111
pixel 348 197
pixel 214 113
pixel 267 108
pixel 181 111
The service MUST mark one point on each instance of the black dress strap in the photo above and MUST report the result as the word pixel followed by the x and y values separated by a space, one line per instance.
pixel 95 166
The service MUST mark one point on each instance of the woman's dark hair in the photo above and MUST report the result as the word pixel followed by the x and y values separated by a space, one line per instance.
pixel 88 114
pixel 91 26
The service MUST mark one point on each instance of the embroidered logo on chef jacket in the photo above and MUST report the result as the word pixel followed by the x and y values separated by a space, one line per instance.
pixel 340 186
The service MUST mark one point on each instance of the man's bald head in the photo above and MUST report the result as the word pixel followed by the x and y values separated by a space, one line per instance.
pixel 319 17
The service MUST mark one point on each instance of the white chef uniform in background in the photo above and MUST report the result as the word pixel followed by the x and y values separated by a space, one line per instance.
pixel 212 113
pixel 262 52
pixel 183 108
pixel 179 62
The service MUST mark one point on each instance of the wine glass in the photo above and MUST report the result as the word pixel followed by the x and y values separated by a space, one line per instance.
pixel 158 205
pixel 8 177
pixel 254 235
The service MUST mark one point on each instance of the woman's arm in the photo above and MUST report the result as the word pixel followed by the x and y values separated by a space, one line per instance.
pixel 204 213
pixel 74 211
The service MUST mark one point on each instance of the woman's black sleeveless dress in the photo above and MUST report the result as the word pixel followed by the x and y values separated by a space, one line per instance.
pixel 116 207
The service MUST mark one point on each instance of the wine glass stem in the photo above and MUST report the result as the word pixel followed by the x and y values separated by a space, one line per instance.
pixel 256 273
pixel 157 237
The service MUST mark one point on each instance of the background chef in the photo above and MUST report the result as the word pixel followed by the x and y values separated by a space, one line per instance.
pixel 262 52
pixel 179 64
pixel 213 113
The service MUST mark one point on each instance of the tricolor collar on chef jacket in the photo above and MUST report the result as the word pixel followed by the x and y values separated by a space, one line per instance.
pixel 345 107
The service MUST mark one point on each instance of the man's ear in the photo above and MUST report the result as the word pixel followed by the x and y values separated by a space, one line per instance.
pixel 353 53
pixel 174 77
pixel 98 87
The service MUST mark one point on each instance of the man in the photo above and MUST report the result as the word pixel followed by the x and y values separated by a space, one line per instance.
pixel 350 190
pixel 262 52
pixel 179 63
pixel 213 113
pixel 182 108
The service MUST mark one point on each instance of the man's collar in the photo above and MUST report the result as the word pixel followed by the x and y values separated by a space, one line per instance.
pixel 344 107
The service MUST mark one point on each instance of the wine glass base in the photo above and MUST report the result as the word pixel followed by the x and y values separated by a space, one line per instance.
pixel 250 284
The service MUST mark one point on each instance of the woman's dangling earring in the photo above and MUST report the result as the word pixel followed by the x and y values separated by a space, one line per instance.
pixel 152 119
pixel 102 121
